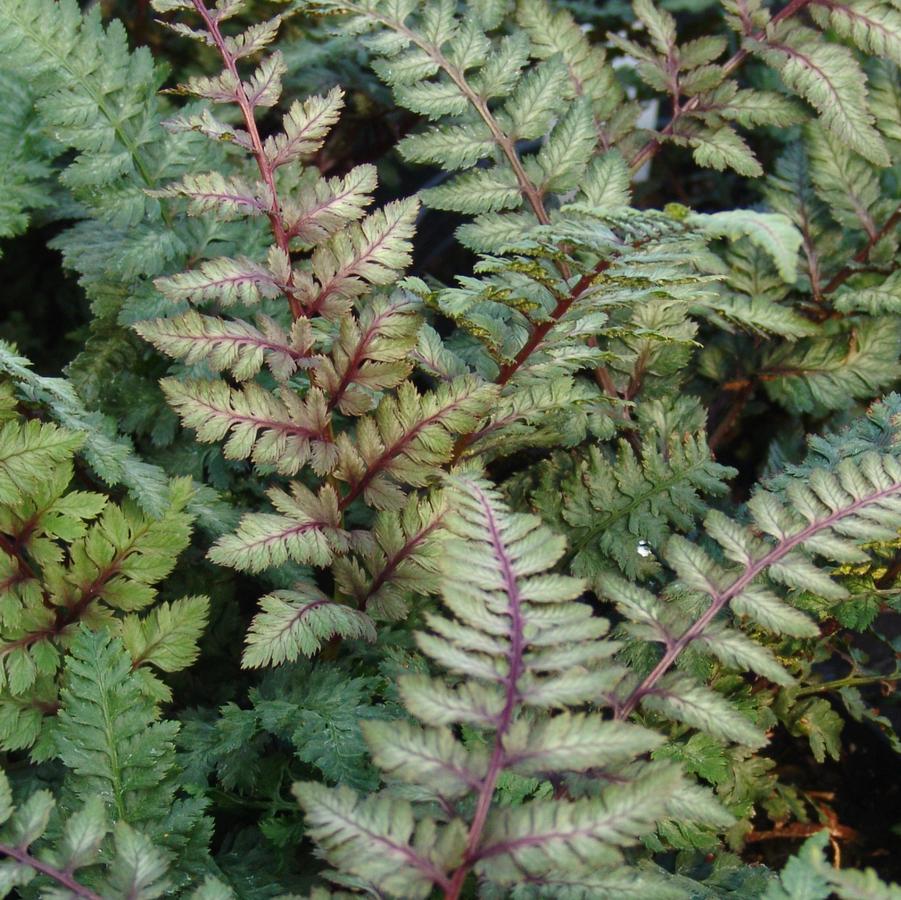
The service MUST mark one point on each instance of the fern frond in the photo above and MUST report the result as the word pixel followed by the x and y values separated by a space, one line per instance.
pixel 278 430
pixel 26 824
pixel 402 561
pixel 619 509
pixel 227 196
pixel 874 27
pixel 226 280
pixel 321 207
pixel 109 738
pixel 113 129
pixel 809 872
pixel 24 169
pixel 69 556
pixel 379 839
pixel 167 637
pixel 829 78
pixel 107 452
pixel 772 232
pixel 858 503
pixel 372 252
pixel 309 530
pixel 408 438
pixel 29 449
pixel 233 345
pixel 299 621
pixel 306 126
pixel 370 354
pixel 522 645
pixel 831 370
pixel 848 184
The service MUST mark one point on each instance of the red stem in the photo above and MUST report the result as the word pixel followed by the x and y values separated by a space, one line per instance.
pixel 652 146
pixel 58 875
pixel 393 561
pixel 721 598
pixel 515 660
pixel 274 213
pixel 863 254
pixel 538 335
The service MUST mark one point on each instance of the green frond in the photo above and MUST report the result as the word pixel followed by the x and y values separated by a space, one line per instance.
pixel 553 31
pixel 407 438
pixel 27 451
pixel 111 455
pixel 232 345
pixel 109 738
pixel 229 281
pixel 24 169
pixel 576 837
pixel 875 299
pixel 100 99
pixel 298 622
pixel 831 370
pixel 619 509
pixel 847 183
pixel 723 148
pixel 308 531
pixel 809 874
pixel 829 78
pixel 166 638
pixel 120 862
pixel 378 839
pixel 271 429
pixel 139 868
pixel 772 232
pixel 401 562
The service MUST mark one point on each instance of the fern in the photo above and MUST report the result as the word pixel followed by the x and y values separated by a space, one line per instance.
pixel 121 778
pixel 808 871
pixel 829 516
pixel 430 487
pixel 68 556
pixel 108 738
pixel 518 644
pixel 129 863
pixel 618 509
pixel 352 367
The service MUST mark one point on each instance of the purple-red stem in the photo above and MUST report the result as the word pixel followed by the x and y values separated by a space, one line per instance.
pixel 863 254
pixel 721 598
pixel 515 662
pixel 274 213
pixel 731 64
pixel 538 335
pixel 60 876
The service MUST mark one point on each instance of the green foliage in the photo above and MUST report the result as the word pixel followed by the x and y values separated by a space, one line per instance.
pixel 546 474
pixel 69 556
pixel 518 645
pixel 808 874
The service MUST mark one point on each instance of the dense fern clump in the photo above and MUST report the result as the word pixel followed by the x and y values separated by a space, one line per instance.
pixel 527 371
